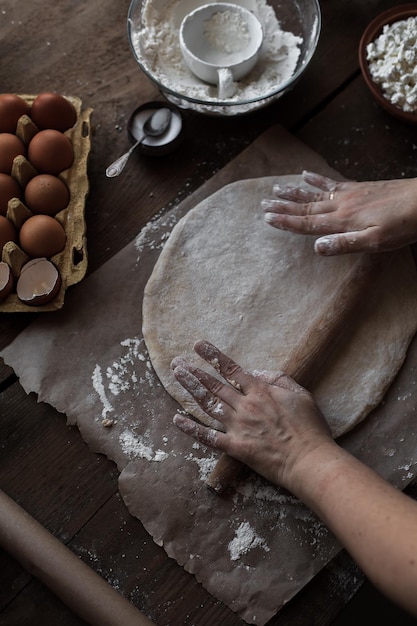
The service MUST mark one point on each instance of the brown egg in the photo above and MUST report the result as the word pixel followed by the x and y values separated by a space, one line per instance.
pixel 7 231
pixel 50 152
pixel 51 110
pixel 10 147
pixel 46 194
pixel 39 282
pixel 6 280
pixel 9 188
pixel 42 236
pixel 11 108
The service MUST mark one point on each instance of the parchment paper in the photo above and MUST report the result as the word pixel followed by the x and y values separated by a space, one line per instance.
pixel 257 546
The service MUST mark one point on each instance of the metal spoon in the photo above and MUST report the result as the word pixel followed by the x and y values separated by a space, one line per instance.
pixel 155 125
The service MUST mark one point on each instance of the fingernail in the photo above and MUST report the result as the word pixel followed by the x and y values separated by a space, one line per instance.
pixel 268 204
pixel 178 369
pixel 310 177
pixel 327 246
pixel 270 217
pixel 178 419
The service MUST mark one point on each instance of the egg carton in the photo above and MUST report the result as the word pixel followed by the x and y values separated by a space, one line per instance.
pixel 72 260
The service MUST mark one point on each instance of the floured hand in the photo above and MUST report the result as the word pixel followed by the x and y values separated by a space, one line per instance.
pixel 349 217
pixel 269 420
pixel 273 425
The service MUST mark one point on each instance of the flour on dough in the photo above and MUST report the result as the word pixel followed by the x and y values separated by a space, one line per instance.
pixel 227 276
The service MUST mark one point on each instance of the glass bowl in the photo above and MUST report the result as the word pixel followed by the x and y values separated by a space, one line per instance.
pixel 291 32
pixel 370 35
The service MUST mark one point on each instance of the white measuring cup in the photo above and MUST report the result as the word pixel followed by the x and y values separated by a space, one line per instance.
pixel 221 43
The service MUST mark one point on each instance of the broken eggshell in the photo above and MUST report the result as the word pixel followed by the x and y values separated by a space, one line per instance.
pixel 39 282
pixel 6 280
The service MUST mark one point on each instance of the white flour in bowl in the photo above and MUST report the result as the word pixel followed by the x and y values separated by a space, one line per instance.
pixel 227 32
pixel 157 46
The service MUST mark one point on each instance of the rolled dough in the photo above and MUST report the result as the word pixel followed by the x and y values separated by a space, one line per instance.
pixel 227 276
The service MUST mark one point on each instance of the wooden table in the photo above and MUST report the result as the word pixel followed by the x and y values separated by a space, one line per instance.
pixel 81 48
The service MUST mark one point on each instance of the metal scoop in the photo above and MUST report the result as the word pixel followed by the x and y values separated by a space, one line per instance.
pixel 155 125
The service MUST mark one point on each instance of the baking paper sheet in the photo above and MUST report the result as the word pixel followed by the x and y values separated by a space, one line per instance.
pixel 255 547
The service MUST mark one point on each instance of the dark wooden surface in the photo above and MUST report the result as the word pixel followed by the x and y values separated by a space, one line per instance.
pixel 81 48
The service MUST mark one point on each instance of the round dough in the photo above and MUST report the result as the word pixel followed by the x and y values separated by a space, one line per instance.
pixel 227 276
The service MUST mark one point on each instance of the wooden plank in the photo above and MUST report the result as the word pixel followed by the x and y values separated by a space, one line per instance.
pixel 359 139
pixel 48 469
pixel 82 49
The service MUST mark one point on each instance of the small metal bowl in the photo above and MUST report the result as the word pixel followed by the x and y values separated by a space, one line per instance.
pixel 163 144
pixel 371 33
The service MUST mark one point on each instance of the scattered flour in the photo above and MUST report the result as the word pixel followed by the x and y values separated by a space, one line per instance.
pixel 408 467
pixel 121 376
pixel 151 238
pixel 156 45
pixel 245 540
pixel 205 465
pixel 98 385
pixel 135 446
pixel 392 60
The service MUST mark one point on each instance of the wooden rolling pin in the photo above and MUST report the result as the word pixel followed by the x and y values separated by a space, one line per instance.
pixel 315 346
pixel 56 566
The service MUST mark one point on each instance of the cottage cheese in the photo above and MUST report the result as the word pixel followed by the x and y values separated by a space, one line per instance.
pixel 392 60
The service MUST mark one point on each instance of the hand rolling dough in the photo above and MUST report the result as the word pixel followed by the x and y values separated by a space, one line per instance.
pixel 227 276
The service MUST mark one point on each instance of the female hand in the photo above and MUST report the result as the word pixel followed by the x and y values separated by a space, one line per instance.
pixel 374 216
pixel 270 422
pixel 273 425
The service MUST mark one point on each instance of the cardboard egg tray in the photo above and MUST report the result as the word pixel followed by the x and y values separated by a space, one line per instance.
pixel 72 260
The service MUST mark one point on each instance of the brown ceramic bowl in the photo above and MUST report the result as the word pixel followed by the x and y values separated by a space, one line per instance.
pixel 373 30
